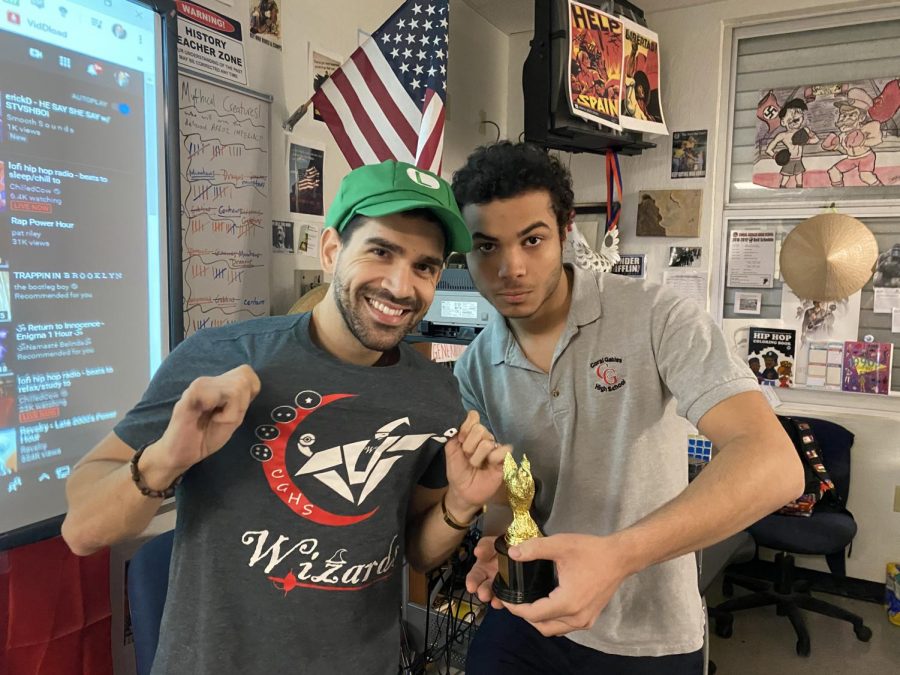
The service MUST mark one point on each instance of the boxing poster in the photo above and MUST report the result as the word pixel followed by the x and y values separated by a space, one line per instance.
pixel 843 134
pixel 641 106
pixel 595 65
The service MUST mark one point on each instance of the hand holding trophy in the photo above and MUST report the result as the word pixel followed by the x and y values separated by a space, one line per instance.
pixel 520 582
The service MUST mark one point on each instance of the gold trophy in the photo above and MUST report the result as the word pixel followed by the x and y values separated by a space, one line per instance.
pixel 519 582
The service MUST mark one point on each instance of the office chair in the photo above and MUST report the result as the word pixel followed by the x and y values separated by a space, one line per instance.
pixel 826 532
pixel 148 580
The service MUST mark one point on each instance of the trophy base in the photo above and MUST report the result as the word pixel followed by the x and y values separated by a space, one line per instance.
pixel 520 582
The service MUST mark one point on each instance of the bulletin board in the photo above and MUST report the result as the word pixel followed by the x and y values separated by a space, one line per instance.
pixel 736 324
pixel 225 197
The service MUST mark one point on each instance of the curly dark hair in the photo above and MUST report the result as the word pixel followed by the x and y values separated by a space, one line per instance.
pixel 507 169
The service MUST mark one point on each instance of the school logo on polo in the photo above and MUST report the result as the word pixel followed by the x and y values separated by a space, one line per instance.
pixel 609 373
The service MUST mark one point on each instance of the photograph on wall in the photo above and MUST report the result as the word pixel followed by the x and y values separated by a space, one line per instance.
pixel 595 64
pixel 282 236
pixel 770 355
pixel 747 303
pixel 641 107
pixel 669 213
pixel 689 153
pixel 886 281
pixel 306 168
pixel 309 279
pixel 321 66
pixel 265 22
pixel 685 256
pixel 842 134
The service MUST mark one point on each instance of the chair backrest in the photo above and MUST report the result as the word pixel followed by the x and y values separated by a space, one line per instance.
pixel 835 443
pixel 148 581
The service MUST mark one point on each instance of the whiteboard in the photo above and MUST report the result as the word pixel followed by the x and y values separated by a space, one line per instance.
pixel 225 183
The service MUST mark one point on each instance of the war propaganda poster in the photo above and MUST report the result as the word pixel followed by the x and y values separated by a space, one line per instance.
pixel 641 107
pixel 843 134
pixel 595 64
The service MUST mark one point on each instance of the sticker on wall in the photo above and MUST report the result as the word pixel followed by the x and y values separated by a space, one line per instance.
pixel 630 265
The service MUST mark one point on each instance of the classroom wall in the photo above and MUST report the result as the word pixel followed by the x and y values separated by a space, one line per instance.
pixel 692 58
pixel 485 83
pixel 476 79
pixel 690 42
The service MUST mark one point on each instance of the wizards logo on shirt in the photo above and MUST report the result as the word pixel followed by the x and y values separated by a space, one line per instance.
pixel 352 470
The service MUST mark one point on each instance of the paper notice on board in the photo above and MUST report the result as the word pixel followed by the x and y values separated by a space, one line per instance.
pixel 886 299
pixel 895 320
pixel 751 259
pixel 690 283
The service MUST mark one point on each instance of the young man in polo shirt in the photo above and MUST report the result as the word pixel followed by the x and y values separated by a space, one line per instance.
pixel 309 454
pixel 587 373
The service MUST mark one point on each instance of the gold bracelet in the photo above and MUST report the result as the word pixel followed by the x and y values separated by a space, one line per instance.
pixel 453 522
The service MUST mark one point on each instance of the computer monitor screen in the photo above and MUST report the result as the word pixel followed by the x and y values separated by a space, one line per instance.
pixel 83 246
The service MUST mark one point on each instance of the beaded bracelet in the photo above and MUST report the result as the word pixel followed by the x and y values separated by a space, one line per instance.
pixel 136 477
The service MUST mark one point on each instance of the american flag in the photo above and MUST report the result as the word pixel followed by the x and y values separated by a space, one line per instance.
pixel 310 180
pixel 387 100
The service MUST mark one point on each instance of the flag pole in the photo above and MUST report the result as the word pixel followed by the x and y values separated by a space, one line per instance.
pixel 296 116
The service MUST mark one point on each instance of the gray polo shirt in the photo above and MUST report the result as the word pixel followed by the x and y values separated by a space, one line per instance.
pixel 604 436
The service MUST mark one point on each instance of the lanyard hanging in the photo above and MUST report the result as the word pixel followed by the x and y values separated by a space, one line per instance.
pixel 608 254
pixel 613 184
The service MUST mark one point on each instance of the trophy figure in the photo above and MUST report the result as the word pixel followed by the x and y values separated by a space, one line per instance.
pixel 519 582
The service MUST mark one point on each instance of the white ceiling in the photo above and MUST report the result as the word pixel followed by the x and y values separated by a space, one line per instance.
pixel 517 16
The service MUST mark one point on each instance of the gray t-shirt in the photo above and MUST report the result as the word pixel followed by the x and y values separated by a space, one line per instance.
pixel 604 437
pixel 289 540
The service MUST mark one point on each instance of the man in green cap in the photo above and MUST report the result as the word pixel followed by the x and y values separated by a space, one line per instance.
pixel 310 454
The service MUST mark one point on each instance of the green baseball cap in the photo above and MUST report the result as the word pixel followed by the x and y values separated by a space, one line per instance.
pixel 376 190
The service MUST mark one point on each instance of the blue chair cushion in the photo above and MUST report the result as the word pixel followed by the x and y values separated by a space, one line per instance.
pixel 148 581
pixel 823 533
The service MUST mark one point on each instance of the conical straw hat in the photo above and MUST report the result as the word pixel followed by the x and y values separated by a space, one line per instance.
pixel 828 257
pixel 309 300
